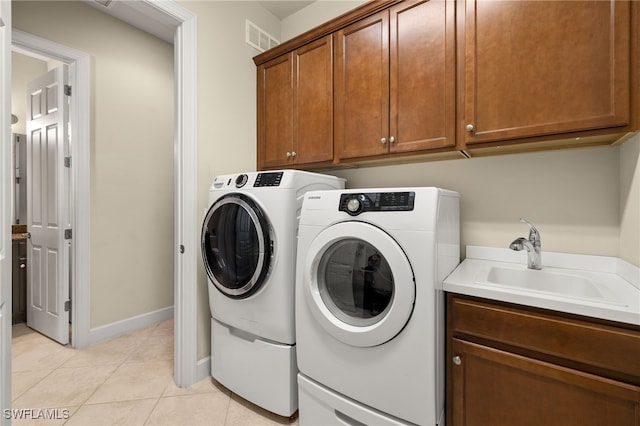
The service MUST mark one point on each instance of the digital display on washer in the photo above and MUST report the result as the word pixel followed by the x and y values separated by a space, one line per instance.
pixel 357 203
pixel 268 179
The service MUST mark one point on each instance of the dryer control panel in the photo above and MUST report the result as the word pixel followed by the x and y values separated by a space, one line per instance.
pixel 357 203
pixel 268 179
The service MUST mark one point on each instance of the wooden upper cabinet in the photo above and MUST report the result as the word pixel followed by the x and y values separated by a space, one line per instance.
pixel 531 68
pixel 422 76
pixel 313 102
pixel 394 81
pixel 275 112
pixel 362 87
pixel 295 107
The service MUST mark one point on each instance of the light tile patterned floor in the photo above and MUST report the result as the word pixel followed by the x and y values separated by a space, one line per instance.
pixel 125 381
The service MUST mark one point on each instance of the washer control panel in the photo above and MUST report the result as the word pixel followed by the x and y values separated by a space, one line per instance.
pixel 268 179
pixel 357 203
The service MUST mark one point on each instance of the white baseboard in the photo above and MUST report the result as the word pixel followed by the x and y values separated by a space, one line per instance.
pixel 119 328
pixel 203 369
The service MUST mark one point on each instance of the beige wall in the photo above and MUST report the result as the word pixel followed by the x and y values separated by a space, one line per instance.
pixel 630 201
pixel 572 196
pixel 131 154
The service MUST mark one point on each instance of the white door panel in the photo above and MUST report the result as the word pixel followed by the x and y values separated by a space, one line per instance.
pixel 47 206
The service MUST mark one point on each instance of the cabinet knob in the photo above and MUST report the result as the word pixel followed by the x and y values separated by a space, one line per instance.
pixel 469 127
pixel 288 154
pixel 457 360
pixel 383 141
pixel 23 265
pixel 293 153
pixel 392 139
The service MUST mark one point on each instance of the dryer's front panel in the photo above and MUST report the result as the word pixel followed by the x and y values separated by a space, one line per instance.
pixel 358 284
pixel 236 245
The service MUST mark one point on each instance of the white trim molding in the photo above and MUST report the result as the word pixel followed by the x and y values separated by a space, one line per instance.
pixel 129 325
pixel 5 210
pixel 185 187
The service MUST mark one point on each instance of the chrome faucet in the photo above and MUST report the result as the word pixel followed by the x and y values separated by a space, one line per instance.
pixel 533 246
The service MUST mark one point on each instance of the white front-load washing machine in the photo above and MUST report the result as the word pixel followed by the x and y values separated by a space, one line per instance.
pixel 370 305
pixel 249 253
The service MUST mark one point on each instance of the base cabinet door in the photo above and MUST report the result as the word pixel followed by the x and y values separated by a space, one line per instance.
pixel 493 387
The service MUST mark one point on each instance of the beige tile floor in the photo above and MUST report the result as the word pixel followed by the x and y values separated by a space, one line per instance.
pixel 125 381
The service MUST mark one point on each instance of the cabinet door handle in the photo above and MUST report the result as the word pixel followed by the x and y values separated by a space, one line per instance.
pixel 392 139
pixel 23 265
pixel 293 153
pixel 469 127
pixel 457 360
pixel 383 141
pixel 288 154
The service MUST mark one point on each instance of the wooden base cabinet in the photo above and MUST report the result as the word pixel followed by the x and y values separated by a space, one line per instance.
pixel 506 367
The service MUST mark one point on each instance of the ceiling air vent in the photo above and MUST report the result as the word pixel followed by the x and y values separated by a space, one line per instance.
pixel 258 38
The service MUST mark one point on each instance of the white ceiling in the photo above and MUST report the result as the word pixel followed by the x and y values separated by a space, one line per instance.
pixel 138 14
pixel 282 9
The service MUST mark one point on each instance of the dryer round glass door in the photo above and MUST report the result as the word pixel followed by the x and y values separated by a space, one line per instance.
pixel 358 284
pixel 236 245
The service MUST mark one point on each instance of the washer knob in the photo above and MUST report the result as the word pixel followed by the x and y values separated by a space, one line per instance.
pixel 354 206
pixel 241 180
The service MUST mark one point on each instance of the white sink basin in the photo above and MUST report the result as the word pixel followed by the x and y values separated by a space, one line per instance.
pixel 547 281
pixel 544 281
pixel 595 286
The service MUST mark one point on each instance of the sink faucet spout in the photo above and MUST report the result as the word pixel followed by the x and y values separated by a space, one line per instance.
pixel 533 246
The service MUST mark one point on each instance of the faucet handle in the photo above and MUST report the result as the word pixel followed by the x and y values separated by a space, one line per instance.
pixel 534 235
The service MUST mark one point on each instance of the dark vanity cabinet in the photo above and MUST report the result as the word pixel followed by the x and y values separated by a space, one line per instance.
pixel 19 281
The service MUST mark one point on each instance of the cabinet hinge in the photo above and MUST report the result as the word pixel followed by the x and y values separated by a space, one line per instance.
pixel 67 162
pixel 67 90
pixel 67 234
pixel 67 305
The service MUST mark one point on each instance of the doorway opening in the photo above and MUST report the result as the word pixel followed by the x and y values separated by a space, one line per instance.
pixel 77 62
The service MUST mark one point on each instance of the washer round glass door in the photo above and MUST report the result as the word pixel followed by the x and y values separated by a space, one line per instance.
pixel 358 284
pixel 236 245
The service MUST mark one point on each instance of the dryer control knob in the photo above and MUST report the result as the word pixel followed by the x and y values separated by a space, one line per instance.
pixel 354 206
pixel 241 180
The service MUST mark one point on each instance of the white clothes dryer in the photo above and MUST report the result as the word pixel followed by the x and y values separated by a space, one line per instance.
pixel 370 305
pixel 249 253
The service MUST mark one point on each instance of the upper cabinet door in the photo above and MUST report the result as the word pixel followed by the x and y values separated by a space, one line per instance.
pixel 362 87
pixel 275 117
pixel 532 68
pixel 313 103
pixel 422 75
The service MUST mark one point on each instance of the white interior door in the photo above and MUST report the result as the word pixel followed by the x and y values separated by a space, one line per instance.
pixel 5 210
pixel 48 205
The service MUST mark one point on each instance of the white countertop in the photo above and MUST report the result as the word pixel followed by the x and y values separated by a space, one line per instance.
pixel 619 282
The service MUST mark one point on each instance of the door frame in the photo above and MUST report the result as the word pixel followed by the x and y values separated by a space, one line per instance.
pixel 185 181
pixel 5 209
